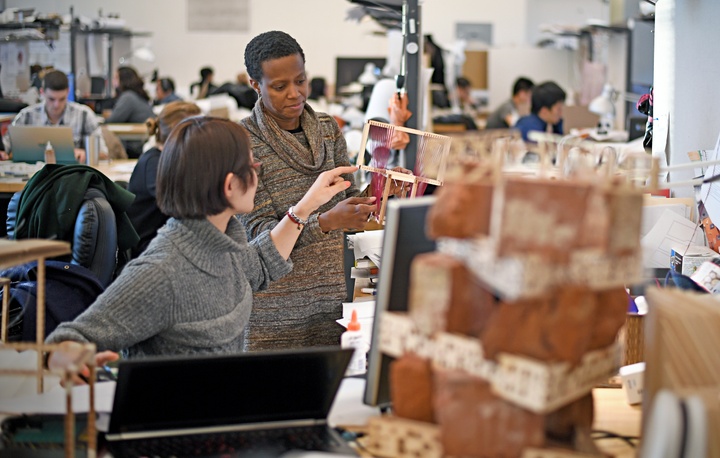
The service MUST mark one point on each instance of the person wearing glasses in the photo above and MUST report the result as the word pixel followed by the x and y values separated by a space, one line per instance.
pixel 191 290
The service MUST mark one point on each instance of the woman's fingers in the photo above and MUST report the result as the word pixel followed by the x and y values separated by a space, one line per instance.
pixel 105 357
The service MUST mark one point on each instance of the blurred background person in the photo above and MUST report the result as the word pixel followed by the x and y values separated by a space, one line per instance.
pixel 132 105
pixel 205 86
pixel 165 91
pixel 507 114
pixel 144 213
pixel 548 100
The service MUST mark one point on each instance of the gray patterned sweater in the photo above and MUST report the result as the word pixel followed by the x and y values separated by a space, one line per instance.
pixel 300 310
pixel 190 292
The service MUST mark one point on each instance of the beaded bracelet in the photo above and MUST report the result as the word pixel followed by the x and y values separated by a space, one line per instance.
pixel 296 219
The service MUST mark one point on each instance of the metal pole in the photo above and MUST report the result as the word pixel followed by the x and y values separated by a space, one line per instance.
pixel 414 57
pixel 73 51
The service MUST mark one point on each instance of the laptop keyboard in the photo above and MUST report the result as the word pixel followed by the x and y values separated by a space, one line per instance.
pixel 260 444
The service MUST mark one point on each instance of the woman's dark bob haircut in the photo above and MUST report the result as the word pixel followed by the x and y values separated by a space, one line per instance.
pixel 196 158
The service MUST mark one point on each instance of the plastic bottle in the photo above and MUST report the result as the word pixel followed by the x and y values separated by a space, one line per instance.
pixel 353 338
pixel 49 153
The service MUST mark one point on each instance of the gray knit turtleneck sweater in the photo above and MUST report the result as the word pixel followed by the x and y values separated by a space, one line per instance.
pixel 189 292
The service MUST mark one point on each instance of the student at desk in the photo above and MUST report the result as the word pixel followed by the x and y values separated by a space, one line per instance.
pixel 56 110
pixel 548 100
pixel 132 105
pixel 191 291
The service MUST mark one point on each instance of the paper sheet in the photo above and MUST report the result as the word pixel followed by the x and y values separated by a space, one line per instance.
pixel 710 192
pixel 53 401
pixel 365 309
pixel 368 243
pixel 348 408
pixel 671 229
pixel 652 214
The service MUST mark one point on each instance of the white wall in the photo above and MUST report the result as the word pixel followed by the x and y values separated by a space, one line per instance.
pixel 563 12
pixel 318 25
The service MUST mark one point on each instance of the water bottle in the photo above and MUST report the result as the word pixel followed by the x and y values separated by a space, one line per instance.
pixel 92 149
pixel 49 153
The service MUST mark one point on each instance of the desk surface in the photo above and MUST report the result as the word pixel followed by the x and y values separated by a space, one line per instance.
pixel 128 131
pixel 612 414
pixel 116 170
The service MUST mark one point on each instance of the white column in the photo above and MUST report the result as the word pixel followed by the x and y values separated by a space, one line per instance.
pixel 687 79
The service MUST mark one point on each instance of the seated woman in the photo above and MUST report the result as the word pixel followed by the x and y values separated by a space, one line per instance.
pixel 132 104
pixel 144 212
pixel 191 291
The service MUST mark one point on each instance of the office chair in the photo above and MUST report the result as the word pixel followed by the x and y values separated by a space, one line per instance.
pixel 94 240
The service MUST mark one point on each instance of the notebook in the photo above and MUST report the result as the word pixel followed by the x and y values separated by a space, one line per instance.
pixel 252 404
pixel 29 142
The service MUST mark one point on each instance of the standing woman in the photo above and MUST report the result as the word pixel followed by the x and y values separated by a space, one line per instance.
pixel 190 292
pixel 144 213
pixel 132 104
pixel 295 144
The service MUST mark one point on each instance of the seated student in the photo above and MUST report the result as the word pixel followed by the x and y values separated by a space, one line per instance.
pixel 205 86
pixel 463 91
pixel 56 110
pixel 548 100
pixel 165 91
pixel 132 105
pixel 191 291
pixel 144 212
pixel 507 114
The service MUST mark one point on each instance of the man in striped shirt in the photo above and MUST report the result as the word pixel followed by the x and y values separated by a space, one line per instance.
pixel 56 110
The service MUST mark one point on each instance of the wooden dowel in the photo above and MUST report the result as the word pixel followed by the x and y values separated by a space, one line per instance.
pixel 40 321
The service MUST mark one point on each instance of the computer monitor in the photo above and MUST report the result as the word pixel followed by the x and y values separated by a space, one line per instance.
pixel 405 237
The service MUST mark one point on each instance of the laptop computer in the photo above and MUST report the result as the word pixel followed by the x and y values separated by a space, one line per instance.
pixel 253 404
pixel 28 143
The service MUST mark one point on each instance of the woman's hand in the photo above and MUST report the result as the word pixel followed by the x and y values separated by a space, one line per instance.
pixel 398 109
pixel 80 155
pixel 70 356
pixel 351 213
pixel 325 187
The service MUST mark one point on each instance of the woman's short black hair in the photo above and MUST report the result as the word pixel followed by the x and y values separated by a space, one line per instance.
pixel 268 46
pixel 198 155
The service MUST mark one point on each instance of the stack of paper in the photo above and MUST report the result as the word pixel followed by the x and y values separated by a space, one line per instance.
pixel 367 244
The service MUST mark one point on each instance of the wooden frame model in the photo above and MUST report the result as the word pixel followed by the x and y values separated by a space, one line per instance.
pixel 399 176
pixel 17 252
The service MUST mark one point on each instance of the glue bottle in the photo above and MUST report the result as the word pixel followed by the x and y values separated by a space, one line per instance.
pixel 353 338
pixel 49 153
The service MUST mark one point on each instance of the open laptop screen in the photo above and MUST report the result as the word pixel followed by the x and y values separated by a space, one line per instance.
pixel 158 394
pixel 29 142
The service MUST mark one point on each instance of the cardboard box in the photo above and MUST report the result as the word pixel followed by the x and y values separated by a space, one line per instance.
pixel 686 260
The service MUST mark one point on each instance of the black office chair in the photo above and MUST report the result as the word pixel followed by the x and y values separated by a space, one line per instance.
pixel 95 239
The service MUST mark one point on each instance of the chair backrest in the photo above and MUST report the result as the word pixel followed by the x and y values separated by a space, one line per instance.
pixel 94 243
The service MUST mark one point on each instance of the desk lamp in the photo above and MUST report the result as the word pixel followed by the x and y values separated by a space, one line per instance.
pixel 604 106
pixel 144 53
